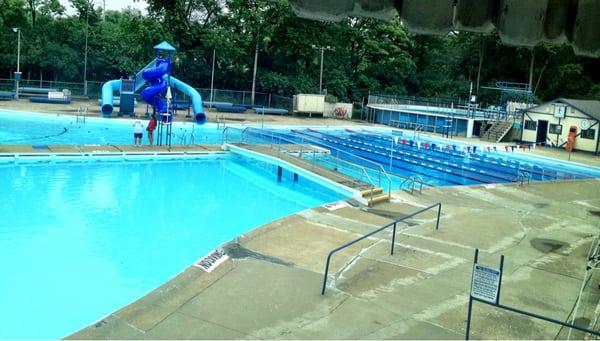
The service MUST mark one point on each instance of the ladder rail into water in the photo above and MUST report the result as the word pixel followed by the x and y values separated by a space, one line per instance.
pixel 307 145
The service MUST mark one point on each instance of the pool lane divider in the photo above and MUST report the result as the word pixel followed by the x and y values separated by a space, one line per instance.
pixel 465 171
pixel 337 187
pixel 483 158
pixel 410 165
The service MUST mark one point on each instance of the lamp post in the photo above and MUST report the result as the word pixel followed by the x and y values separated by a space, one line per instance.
pixel 85 54
pixel 18 73
pixel 254 72
pixel 322 48
pixel 212 78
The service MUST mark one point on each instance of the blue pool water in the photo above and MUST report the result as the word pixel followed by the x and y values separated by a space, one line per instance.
pixel 80 240
pixel 435 165
pixel 44 129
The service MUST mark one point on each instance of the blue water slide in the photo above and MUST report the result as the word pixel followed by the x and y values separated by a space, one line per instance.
pixel 154 76
pixel 194 96
pixel 107 96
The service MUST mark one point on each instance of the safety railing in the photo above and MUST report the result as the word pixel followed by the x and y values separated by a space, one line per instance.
pixel 311 156
pixel 81 115
pixel 408 182
pixel 382 175
pixel 411 183
pixel 523 177
pixel 393 224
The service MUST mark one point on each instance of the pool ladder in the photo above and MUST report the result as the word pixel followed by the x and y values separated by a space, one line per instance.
pixel 523 177
pixel 82 113
pixel 411 183
pixel 221 121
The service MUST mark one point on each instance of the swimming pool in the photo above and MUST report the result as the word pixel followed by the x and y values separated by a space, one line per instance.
pixel 435 166
pixel 437 162
pixel 43 129
pixel 80 240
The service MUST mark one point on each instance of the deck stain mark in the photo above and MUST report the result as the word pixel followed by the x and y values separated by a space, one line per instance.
pixel 237 251
pixel 548 245
pixel 594 212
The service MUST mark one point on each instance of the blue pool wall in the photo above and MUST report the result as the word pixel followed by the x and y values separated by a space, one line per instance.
pixel 459 125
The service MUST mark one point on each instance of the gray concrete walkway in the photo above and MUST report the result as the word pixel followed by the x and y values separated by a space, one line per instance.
pixel 270 288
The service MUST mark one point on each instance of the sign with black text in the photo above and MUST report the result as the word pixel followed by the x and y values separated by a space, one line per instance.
pixel 486 283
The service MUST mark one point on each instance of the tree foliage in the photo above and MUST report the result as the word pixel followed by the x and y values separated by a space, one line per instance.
pixel 361 55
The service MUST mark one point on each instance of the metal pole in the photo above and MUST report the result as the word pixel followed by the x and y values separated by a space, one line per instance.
pixel 212 78
pixel 85 55
pixel 437 224
pixel 254 73
pixel 393 239
pixel 321 77
pixel 18 62
pixel 391 152
pixel 470 308
pixel 500 279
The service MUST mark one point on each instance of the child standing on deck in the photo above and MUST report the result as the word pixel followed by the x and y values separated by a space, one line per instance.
pixel 137 133
pixel 150 129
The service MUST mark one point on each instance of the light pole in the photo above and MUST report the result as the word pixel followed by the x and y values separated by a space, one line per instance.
pixel 254 72
pixel 322 48
pixel 85 55
pixel 18 73
pixel 212 78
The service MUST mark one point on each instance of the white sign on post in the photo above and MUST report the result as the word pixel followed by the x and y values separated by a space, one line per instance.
pixel 486 282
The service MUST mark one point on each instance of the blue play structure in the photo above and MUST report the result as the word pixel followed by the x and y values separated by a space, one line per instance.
pixel 157 75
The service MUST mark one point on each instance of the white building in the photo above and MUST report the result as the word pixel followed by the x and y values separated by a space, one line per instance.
pixel 551 122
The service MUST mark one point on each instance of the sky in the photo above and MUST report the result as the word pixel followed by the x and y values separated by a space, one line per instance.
pixel 110 5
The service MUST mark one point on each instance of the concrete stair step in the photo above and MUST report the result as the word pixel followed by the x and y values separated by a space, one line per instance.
pixel 379 199
pixel 367 192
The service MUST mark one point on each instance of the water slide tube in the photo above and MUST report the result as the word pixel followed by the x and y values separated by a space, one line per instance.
pixel 194 96
pixel 107 96
pixel 115 85
pixel 154 76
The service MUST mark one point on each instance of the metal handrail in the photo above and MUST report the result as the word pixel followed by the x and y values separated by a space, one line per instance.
pixel 245 136
pixel 337 165
pixel 414 179
pixel 523 176
pixel 375 166
pixel 394 223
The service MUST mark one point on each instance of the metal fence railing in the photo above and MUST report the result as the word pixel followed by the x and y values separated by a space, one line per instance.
pixel 455 107
pixel 94 89
pixel 313 156
pixel 392 224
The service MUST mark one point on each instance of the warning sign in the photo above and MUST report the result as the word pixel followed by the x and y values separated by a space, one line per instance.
pixel 336 205
pixel 209 262
pixel 486 282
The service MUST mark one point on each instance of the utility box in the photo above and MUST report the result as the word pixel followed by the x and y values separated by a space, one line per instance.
pixel 309 104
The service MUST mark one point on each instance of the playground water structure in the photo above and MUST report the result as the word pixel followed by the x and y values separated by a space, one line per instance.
pixel 97 236
pixel 158 74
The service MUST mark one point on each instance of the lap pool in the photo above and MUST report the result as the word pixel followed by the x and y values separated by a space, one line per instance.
pixel 80 240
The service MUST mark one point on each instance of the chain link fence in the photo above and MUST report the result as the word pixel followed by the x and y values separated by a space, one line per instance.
pixel 94 90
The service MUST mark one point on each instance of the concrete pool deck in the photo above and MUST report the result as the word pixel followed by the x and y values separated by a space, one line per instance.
pixel 270 286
